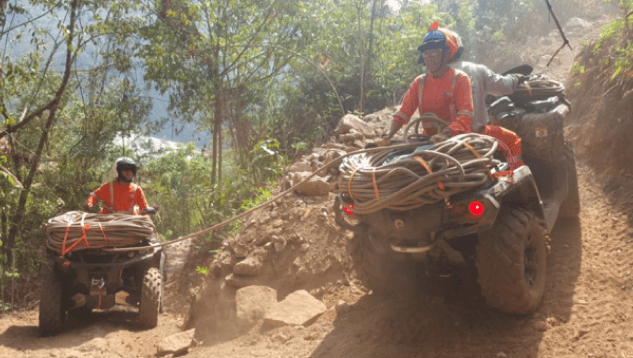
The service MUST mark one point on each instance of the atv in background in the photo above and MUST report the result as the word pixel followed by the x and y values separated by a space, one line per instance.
pixel 88 279
pixel 498 230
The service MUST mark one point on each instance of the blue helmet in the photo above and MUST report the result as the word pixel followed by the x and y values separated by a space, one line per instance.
pixel 439 38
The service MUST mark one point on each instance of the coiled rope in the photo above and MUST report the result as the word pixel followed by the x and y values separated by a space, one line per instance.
pixel 538 87
pixel 421 177
pixel 77 230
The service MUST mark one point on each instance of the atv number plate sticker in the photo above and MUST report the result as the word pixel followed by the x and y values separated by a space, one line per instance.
pixel 541 132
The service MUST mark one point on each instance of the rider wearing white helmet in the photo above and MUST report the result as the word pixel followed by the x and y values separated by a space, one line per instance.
pixel 120 195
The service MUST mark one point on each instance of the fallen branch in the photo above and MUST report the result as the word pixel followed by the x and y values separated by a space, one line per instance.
pixel 560 29
pixel 12 176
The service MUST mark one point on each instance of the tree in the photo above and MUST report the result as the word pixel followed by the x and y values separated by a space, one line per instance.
pixel 208 55
pixel 46 98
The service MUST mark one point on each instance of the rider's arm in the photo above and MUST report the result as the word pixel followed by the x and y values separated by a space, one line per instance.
pixel 407 109
pixel 463 105
pixel 495 84
pixel 98 195
pixel 139 199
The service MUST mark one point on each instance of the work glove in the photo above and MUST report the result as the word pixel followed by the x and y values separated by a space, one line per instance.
pixel 444 135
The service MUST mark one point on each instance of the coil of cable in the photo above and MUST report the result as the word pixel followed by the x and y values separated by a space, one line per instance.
pixel 538 87
pixel 100 230
pixel 421 177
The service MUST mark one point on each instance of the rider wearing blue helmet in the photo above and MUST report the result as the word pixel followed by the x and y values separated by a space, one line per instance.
pixel 444 91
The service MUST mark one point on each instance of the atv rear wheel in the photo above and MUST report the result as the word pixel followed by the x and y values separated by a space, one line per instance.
pixel 511 261
pixel 52 312
pixel 570 207
pixel 377 271
pixel 149 302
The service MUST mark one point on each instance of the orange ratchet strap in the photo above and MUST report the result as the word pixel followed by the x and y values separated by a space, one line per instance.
pixel 349 184
pixel 428 169
pixel 373 178
pixel 476 154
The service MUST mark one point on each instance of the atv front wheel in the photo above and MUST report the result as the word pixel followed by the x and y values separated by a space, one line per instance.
pixel 149 302
pixel 511 261
pixel 570 207
pixel 52 312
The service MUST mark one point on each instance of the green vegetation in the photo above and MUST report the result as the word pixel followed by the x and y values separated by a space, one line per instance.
pixel 616 39
pixel 577 68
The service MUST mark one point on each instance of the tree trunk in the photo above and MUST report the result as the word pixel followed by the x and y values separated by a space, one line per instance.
pixel 3 228
pixel 19 214
pixel 217 127
pixel 362 60
pixel 214 151
pixel 220 155
pixel 371 39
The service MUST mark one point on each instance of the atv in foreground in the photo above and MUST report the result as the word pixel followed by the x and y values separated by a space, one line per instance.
pixel 84 278
pixel 498 229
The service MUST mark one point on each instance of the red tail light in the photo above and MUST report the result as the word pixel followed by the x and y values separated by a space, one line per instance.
pixel 349 209
pixel 476 208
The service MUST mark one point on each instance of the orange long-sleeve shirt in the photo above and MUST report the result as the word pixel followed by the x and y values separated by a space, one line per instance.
pixel 124 195
pixel 449 97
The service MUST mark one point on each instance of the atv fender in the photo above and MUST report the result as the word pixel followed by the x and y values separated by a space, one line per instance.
pixel 520 192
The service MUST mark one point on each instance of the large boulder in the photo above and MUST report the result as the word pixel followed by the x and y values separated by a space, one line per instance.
pixel 176 344
pixel 577 24
pixel 300 167
pixel 349 122
pixel 253 302
pixel 316 186
pixel 298 308
pixel 252 265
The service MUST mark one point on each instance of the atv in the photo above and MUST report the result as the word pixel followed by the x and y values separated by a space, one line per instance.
pixel 498 230
pixel 83 280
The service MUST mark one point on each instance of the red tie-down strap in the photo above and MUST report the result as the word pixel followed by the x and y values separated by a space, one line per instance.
pixel 426 166
pixel 83 237
pixel 84 230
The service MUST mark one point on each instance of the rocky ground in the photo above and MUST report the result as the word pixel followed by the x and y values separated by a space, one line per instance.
pixel 285 287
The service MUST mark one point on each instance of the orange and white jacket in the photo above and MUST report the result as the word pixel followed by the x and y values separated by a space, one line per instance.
pixel 449 97
pixel 118 197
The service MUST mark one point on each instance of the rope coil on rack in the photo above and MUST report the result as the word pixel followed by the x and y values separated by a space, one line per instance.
pixel 420 177
pixel 538 86
pixel 76 230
